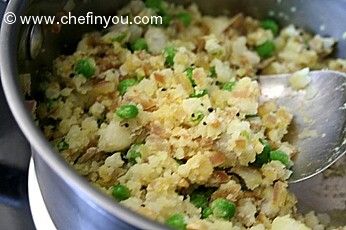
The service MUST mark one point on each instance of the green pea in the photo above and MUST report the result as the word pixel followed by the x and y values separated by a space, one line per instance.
pixel 85 67
pixel 223 208
pixel 266 50
pixel 62 145
pixel 199 199
pixel 139 44
pixel 185 18
pixel 263 158
pixel 197 117
pixel 212 72
pixel 156 5
pixel 166 20
pixel 133 154
pixel 206 212
pixel 207 191
pixel 281 156
pixel 176 221
pixel 125 84
pixel 229 86
pixel 189 74
pixel 169 54
pixel 120 192
pixel 270 24
pixel 127 111
pixel 160 8
pixel 199 93
pixel 119 37
pixel 51 103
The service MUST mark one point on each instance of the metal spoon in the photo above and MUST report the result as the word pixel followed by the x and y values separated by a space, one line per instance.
pixel 319 125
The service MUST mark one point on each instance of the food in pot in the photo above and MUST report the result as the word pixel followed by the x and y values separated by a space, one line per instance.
pixel 167 119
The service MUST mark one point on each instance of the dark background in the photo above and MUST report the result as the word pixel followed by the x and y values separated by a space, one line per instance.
pixel 14 160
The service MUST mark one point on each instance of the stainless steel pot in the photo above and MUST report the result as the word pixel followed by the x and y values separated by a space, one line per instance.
pixel 71 201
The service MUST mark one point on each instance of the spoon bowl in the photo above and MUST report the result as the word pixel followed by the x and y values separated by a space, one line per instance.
pixel 318 128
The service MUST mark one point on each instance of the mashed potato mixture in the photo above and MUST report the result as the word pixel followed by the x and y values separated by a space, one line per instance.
pixel 167 120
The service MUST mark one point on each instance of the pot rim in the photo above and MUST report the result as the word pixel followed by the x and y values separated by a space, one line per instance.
pixel 9 72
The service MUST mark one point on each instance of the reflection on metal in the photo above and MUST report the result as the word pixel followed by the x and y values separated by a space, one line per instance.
pixel 320 116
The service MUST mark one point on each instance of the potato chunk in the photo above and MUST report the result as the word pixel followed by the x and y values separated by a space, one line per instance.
pixel 114 138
